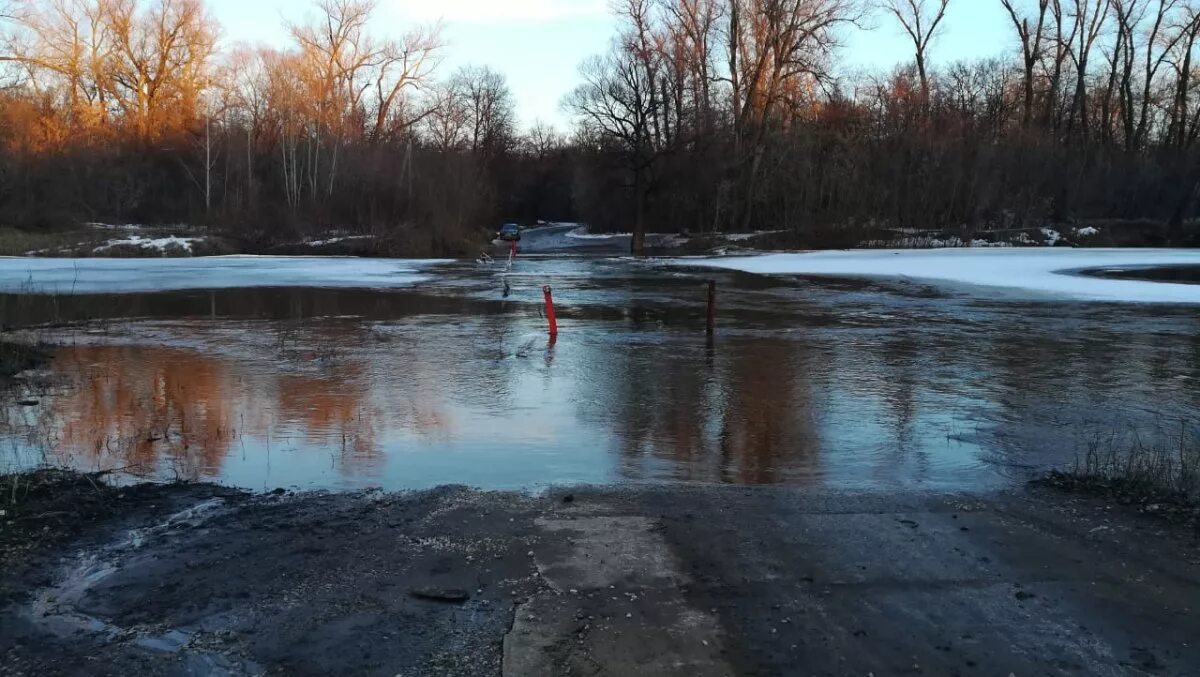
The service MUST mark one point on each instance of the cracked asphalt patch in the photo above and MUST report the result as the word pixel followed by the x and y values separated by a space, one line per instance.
pixel 617 581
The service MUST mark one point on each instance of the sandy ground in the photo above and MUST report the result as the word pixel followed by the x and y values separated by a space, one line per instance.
pixel 653 580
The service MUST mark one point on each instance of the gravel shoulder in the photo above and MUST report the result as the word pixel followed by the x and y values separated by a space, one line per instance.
pixel 196 579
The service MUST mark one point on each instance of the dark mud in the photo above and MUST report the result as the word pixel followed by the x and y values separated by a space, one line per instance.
pixel 43 512
pixel 1174 507
pixel 662 581
pixel 192 579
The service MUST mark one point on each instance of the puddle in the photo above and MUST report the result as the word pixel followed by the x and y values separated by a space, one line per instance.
pixel 808 381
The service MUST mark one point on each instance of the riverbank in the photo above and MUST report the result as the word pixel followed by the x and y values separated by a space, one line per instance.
pixel 182 241
pixel 696 580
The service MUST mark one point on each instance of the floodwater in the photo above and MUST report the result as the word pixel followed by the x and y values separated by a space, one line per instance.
pixel 452 378
pixel 1177 274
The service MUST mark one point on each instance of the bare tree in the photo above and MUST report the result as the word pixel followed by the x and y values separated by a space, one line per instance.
pixel 615 106
pixel 161 61
pixel 772 44
pixel 542 140
pixel 695 24
pixel 1159 43
pixel 490 108
pixel 1188 28
pixel 448 122
pixel 1031 37
pixel 66 45
pixel 1062 46
pixel 920 19
pixel 403 66
pixel 244 86
pixel 1089 16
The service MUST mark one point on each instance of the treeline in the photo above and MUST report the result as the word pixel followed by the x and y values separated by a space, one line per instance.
pixel 730 114
pixel 705 115
pixel 125 110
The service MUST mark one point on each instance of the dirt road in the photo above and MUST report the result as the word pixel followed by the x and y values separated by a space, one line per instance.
pixel 650 580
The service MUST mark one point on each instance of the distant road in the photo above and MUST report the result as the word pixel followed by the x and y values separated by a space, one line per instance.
pixel 555 239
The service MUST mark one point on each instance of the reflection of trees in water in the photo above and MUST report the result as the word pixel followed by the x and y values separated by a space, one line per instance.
pixel 278 303
pixel 146 407
pixel 137 407
pixel 768 425
pixel 1062 377
pixel 334 385
pixel 756 410
pixel 898 382
pixel 742 416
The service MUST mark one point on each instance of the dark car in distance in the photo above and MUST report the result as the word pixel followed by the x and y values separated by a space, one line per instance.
pixel 509 232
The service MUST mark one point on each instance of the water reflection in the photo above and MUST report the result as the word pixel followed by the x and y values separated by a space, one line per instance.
pixel 804 384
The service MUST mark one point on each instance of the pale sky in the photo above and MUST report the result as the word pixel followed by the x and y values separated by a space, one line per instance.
pixel 538 44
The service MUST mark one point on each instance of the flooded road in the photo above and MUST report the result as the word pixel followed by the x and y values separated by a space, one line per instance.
pixel 452 379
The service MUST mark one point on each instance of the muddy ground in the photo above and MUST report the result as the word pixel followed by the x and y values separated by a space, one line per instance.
pixel 196 579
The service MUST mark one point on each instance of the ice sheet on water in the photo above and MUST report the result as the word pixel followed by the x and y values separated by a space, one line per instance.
pixel 1036 271
pixel 98 275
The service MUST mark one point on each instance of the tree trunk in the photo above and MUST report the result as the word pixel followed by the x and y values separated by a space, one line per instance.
pixel 638 241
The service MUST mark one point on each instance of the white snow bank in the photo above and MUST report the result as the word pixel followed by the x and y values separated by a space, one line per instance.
pixel 159 243
pixel 116 226
pixel 1037 272
pixel 581 233
pixel 1087 231
pixel 63 276
pixel 335 240
pixel 742 237
pixel 933 243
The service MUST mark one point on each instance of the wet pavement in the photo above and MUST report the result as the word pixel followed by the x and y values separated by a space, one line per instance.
pixel 451 378
pixel 667 580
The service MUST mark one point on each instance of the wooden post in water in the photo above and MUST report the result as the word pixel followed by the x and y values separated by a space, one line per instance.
pixel 712 306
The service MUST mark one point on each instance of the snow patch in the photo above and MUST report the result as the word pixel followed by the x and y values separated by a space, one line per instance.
pixel 1039 272
pixel 335 240
pixel 933 243
pixel 116 226
pixel 742 237
pixel 158 243
pixel 581 233
pixel 1087 231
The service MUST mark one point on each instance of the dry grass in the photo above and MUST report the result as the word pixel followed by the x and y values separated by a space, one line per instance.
pixel 15 242
pixel 1161 476
pixel 82 243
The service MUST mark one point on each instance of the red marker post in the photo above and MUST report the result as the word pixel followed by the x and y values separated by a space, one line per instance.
pixel 550 312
